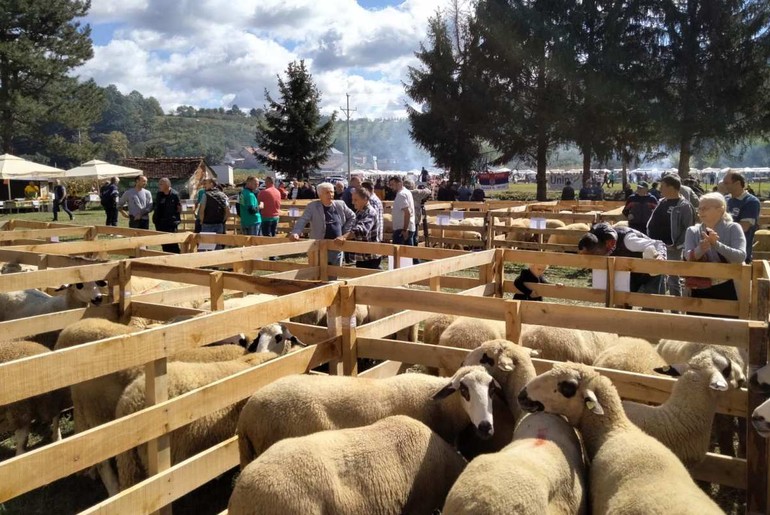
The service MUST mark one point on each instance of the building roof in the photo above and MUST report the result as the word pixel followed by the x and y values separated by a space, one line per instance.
pixel 171 167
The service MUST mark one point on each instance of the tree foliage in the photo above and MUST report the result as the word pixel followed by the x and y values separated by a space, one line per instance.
pixel 41 41
pixel 292 135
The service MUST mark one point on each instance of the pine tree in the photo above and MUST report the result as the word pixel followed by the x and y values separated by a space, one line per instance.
pixel 714 61
pixel 41 41
pixel 445 125
pixel 291 134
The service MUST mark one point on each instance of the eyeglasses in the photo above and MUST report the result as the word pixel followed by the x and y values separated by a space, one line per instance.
pixel 704 208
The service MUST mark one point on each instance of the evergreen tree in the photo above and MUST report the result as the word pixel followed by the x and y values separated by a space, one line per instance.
pixel 40 43
pixel 715 56
pixel 291 133
pixel 446 124
pixel 521 61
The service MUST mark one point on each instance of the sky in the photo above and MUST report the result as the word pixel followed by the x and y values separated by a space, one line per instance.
pixel 215 53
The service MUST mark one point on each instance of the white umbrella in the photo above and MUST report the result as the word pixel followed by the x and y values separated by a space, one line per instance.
pixel 101 170
pixel 12 167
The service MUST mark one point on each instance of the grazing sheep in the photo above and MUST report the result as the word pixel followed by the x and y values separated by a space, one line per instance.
pixel 562 344
pixel 569 238
pixel 434 326
pixel 632 355
pixel 200 434
pixel 683 422
pixel 469 333
pixel 28 303
pixel 631 472
pixel 44 408
pixel 396 465
pixel 541 471
pixel 298 405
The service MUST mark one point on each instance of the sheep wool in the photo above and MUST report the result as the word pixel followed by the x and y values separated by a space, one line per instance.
pixel 541 471
pixel 631 472
pixel 469 333
pixel 563 344
pixel 434 326
pixel 631 355
pixel 396 465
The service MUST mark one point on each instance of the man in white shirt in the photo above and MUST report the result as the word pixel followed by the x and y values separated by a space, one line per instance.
pixel 403 213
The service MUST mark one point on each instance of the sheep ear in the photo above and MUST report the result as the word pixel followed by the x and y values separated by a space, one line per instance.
pixel 444 392
pixel 486 360
pixel 62 287
pixel 592 403
pixel 717 382
pixel 671 370
pixel 79 286
pixel 505 363
pixel 253 346
pixel 534 353
pixel 296 341
pixel 101 284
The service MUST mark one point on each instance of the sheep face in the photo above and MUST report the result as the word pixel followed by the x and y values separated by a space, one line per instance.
pixel 501 354
pixel 274 338
pixel 86 293
pixel 708 367
pixel 477 389
pixel 761 379
pixel 564 390
pixel 760 419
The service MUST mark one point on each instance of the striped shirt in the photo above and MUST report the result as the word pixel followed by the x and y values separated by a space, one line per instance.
pixel 366 228
pixel 376 203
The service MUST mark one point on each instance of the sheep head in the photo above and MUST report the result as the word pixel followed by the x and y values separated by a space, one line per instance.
pixel 761 379
pixel 274 338
pixel 477 389
pixel 500 354
pixel 568 389
pixel 760 419
pixel 85 293
pixel 708 367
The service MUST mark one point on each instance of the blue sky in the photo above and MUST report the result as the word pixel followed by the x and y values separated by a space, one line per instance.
pixel 219 52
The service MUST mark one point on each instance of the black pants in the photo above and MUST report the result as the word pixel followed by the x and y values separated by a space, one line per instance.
pixel 112 216
pixel 60 205
pixel 168 227
pixel 373 264
pixel 142 223
pixel 723 291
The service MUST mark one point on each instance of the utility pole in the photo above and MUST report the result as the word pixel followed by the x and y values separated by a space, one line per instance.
pixel 347 111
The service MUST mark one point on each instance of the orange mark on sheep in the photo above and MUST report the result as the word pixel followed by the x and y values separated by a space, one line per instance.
pixel 542 434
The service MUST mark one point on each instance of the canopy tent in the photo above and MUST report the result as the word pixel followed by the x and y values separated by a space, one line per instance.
pixel 99 170
pixel 16 168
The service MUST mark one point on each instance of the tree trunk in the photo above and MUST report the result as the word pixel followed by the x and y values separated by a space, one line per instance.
pixel 542 164
pixel 586 164
pixel 6 112
pixel 624 171
pixel 685 151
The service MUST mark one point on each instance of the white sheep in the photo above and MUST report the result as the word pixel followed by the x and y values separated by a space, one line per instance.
pixel 632 355
pixel 44 408
pixel 434 326
pixel 396 465
pixel 631 472
pixel 760 418
pixel 541 471
pixel 192 438
pixel 298 405
pixel 32 302
pixel 564 344
pixel 683 422
pixel 570 236
pixel 469 333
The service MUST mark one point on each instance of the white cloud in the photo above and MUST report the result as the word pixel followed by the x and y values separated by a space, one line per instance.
pixel 210 52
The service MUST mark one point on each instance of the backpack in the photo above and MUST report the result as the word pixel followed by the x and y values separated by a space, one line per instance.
pixel 216 207
pixel 106 196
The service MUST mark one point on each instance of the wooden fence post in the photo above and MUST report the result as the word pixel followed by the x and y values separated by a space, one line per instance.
pixel 435 283
pixel 499 273
pixel 513 320
pixel 349 348
pixel 610 296
pixel 124 297
pixel 217 286
pixel 334 329
pixel 156 391
pixel 323 261
pixel 744 293
pixel 757 448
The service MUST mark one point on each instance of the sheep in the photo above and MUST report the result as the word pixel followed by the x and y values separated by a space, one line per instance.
pixel 95 400
pixel 192 438
pixel 44 408
pixel 434 326
pixel 631 472
pixel 683 422
pixel 676 351
pixel 541 471
pixel 469 333
pixel 27 303
pixel 563 344
pixel 396 465
pixel 511 366
pixel 298 405
pixel 761 240
pixel 760 418
pixel 571 237
pixel 632 355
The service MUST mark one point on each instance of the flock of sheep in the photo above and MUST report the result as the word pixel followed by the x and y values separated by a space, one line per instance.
pixel 491 437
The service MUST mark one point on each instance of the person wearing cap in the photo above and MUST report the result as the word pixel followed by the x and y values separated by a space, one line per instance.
pixel 639 207
pixel 743 207
pixel 605 240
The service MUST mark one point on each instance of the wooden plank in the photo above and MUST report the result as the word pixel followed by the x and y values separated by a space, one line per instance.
pixel 723 470
pixel 46 464
pixel 348 311
pixel 561 292
pixel 440 302
pixel 426 270
pixel 175 295
pixel 757 448
pixel 156 392
pixel 40 324
pixel 513 320
pixel 107 245
pixel 743 287
pixel 383 370
pixel 722 308
pixel 277 266
pixel 55 277
pixel 46 372
pixel 161 312
pixel 128 232
pixel 228 256
pixel 302 274
pixel 43 233
pixel 217 288
pixel 170 485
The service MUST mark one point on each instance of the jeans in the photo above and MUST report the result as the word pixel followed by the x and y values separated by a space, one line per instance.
pixel 334 257
pixel 60 205
pixel 142 223
pixel 269 227
pixel 252 230
pixel 399 238
pixel 112 216
pixel 215 228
